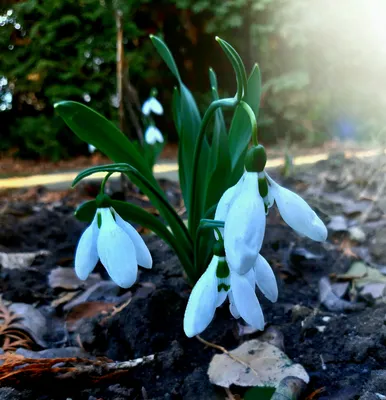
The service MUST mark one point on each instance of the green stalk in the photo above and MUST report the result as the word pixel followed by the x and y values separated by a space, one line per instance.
pixel 252 118
pixel 226 103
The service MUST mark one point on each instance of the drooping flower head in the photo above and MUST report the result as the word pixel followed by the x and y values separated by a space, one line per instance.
pixel 152 105
pixel 293 209
pixel 219 282
pixel 153 135
pixel 114 242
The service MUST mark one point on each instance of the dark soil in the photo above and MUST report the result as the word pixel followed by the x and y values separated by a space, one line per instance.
pixel 345 360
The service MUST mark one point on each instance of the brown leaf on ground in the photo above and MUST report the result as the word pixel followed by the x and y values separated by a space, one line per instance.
pixel 65 278
pixel 20 260
pixel 254 363
pixel 86 310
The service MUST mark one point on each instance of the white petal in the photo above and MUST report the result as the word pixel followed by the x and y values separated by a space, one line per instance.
pixel 146 107
pixel 246 301
pixel 232 307
pixel 116 251
pixel 265 279
pixel 225 201
pixel 297 213
pixel 202 302
pixel 91 148
pixel 86 256
pixel 155 106
pixel 142 252
pixel 153 135
pixel 245 226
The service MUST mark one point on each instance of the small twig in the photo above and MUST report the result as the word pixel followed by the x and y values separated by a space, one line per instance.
pixel 116 310
pixel 225 351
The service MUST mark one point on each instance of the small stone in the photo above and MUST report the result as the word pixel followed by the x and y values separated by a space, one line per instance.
pixel 356 234
pixel 300 312
pixel 338 223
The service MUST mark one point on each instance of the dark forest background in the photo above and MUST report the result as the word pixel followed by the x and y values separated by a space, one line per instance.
pixel 323 65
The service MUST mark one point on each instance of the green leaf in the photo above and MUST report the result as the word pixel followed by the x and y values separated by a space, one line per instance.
pixel 237 65
pixel 240 130
pixel 219 169
pixel 95 129
pixel 188 121
pixel 259 393
pixel 166 55
pixel 176 101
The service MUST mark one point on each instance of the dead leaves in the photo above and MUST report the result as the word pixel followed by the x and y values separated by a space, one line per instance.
pixel 20 260
pixel 254 363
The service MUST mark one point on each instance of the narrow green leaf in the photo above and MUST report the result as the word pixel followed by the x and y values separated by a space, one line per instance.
pixel 95 129
pixel 240 130
pixel 188 121
pixel 176 109
pixel 237 65
pixel 166 55
pixel 219 169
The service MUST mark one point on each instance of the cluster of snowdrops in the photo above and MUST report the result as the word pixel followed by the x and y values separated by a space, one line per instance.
pixel 227 194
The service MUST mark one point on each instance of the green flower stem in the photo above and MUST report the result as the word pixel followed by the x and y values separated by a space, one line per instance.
pixel 226 103
pixel 252 118
pixel 204 225
pixel 105 179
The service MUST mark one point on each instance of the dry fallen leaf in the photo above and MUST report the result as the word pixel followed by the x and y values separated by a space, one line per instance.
pixel 367 279
pixel 20 260
pixel 66 278
pixel 86 310
pixel 254 363
pixel 32 321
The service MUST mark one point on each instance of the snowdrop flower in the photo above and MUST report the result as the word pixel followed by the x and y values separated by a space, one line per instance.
pixel 296 212
pixel 242 209
pixel 153 135
pixel 91 148
pixel 219 282
pixel 152 105
pixel 116 243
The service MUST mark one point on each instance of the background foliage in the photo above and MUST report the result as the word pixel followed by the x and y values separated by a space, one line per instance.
pixel 319 80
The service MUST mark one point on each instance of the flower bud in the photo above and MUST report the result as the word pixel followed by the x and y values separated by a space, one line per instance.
pixel 255 159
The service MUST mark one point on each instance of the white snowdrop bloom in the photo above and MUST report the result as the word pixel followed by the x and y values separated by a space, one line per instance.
pixel 219 282
pixel 152 105
pixel 153 135
pixel 91 148
pixel 117 244
pixel 297 213
pixel 243 212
